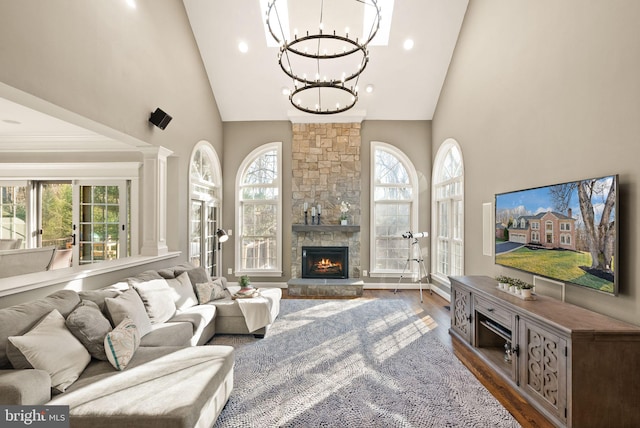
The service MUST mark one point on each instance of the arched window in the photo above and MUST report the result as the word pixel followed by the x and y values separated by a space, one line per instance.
pixel 259 212
pixel 205 182
pixel 448 212
pixel 394 202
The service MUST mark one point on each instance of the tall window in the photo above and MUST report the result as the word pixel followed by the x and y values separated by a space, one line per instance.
pixel 259 212
pixel 394 202
pixel 448 212
pixel 205 182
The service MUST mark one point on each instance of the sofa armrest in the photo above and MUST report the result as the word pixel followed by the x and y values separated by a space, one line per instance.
pixel 24 387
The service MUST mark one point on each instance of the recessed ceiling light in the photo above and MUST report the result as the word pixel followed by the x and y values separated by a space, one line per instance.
pixel 286 91
pixel 243 47
pixel 369 88
pixel 408 44
pixel 131 4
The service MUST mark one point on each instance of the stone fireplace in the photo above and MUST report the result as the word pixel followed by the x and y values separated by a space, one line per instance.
pixel 325 262
pixel 326 170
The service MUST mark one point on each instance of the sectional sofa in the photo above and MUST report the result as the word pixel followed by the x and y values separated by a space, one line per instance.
pixel 129 355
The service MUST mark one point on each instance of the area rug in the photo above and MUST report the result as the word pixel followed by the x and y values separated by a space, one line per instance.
pixel 353 363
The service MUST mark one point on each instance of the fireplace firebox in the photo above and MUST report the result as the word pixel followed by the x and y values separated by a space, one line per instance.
pixel 325 262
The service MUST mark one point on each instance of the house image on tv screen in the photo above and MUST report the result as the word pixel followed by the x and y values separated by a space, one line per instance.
pixel 548 229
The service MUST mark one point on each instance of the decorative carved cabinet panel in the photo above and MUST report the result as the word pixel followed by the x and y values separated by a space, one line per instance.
pixel 461 313
pixel 577 367
pixel 543 367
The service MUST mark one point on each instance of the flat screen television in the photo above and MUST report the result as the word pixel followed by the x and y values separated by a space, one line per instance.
pixel 566 232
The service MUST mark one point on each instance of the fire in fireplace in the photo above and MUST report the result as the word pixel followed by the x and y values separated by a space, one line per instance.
pixel 325 262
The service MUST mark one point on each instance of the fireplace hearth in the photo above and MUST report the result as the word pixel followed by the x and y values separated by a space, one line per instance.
pixel 325 262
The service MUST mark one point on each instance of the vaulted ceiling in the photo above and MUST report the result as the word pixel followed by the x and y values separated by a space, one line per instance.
pixel 248 86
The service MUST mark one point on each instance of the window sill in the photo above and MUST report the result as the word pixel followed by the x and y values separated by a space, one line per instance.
pixel 258 273
pixel 380 274
pixel 21 283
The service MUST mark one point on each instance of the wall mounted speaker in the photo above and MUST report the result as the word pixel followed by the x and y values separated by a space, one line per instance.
pixel 160 118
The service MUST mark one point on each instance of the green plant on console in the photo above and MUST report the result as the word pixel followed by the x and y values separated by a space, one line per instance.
pixel 514 281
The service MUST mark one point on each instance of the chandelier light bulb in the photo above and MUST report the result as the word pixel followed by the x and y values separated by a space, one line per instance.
pixel 369 88
pixel 243 47
pixel 346 30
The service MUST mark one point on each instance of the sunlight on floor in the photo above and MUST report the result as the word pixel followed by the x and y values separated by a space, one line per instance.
pixel 337 362
pixel 329 309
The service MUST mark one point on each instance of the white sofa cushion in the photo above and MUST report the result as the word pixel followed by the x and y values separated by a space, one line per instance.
pixel 183 294
pixel 157 298
pixel 129 305
pixel 51 347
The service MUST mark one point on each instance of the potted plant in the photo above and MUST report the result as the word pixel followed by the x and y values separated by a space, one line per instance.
pixel 503 282
pixel 526 290
pixel 344 209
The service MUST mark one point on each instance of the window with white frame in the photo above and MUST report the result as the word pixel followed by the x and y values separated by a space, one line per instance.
pixel 91 217
pixel 394 204
pixel 259 213
pixel 205 178
pixel 448 212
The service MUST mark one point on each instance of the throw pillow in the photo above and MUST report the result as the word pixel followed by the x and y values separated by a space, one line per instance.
pixel 98 296
pixel 129 305
pixel 183 295
pixel 157 297
pixel 212 290
pixel 49 346
pixel 89 326
pixel 197 275
pixel 122 343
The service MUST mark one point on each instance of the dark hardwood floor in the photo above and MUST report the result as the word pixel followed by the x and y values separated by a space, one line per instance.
pixel 435 312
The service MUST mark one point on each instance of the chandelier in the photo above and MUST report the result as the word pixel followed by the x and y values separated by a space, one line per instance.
pixel 325 63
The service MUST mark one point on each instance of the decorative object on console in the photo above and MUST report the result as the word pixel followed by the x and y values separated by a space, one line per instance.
pixel 516 287
pixel 319 63
pixel 344 209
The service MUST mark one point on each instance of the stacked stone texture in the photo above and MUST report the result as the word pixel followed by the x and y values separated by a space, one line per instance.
pixel 326 170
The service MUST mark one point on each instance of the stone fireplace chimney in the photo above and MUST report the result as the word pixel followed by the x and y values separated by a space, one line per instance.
pixel 326 170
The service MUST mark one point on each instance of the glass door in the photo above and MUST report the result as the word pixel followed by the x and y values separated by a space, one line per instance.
pixel 100 222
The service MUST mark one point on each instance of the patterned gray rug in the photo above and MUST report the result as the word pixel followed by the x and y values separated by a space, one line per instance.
pixel 353 363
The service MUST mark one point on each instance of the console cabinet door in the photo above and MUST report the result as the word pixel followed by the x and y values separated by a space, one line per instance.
pixel 461 313
pixel 543 367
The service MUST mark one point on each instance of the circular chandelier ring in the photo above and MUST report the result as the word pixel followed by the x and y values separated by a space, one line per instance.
pixel 354 43
pixel 328 82
pixel 320 85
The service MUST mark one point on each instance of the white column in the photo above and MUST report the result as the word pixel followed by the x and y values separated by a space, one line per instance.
pixel 154 201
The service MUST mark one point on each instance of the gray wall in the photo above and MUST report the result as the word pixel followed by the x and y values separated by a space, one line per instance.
pixel 414 139
pixel 114 65
pixel 542 92
pixel 240 138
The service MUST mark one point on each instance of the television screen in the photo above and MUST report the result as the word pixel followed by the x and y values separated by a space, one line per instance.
pixel 566 232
